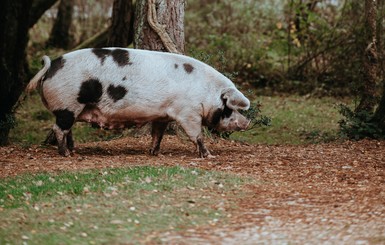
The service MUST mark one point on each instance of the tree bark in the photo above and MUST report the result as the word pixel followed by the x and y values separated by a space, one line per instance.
pixel 380 38
pixel 121 29
pixel 14 25
pixel 370 59
pixel 159 25
pixel 60 35
pixel 379 115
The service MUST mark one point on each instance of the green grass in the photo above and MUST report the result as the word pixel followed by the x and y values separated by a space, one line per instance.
pixel 115 206
pixel 295 120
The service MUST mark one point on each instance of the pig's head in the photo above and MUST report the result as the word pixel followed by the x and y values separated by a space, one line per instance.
pixel 227 118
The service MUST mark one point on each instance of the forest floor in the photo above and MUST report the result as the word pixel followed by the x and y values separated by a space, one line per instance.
pixel 311 194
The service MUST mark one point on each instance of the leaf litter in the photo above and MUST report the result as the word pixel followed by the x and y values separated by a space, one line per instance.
pixel 319 193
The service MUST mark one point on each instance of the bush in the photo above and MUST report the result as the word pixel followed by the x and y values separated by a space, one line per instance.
pixel 283 46
pixel 359 125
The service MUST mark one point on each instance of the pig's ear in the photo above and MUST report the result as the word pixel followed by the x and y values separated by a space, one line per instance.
pixel 234 99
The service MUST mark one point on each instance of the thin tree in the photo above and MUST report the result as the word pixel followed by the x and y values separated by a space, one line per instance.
pixel 60 36
pixel 121 30
pixel 379 115
pixel 370 59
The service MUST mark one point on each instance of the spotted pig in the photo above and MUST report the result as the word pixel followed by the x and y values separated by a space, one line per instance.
pixel 119 88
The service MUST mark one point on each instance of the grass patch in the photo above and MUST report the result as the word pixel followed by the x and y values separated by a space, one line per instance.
pixel 115 206
pixel 295 120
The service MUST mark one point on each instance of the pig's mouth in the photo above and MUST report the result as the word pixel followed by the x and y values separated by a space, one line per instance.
pixel 244 128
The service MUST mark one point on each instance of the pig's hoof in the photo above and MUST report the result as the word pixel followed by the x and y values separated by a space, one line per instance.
pixel 64 152
pixel 71 145
pixel 154 152
pixel 205 154
pixel 208 156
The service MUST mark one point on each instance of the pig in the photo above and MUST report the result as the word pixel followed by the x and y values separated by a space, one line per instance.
pixel 119 88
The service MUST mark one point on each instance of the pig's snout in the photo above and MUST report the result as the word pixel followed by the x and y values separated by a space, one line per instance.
pixel 242 126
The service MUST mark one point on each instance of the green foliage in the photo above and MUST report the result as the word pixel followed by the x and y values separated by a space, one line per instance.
pixel 359 125
pixel 9 122
pixel 274 45
pixel 233 28
pixel 254 114
pixel 330 51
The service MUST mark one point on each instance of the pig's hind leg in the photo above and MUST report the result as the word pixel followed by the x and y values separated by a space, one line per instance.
pixel 157 132
pixel 51 139
pixel 62 128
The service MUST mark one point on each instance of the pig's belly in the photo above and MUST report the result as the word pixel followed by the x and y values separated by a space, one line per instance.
pixel 119 119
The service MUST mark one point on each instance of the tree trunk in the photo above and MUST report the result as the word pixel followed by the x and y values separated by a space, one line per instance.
pixel 121 30
pixel 370 59
pixel 380 38
pixel 379 115
pixel 160 27
pixel 14 25
pixel 60 35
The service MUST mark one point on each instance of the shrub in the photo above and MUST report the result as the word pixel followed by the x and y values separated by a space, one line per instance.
pixel 359 125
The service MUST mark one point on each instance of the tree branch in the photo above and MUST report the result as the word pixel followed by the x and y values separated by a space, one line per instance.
pixel 38 9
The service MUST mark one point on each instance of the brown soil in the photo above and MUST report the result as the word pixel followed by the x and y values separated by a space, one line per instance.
pixel 326 193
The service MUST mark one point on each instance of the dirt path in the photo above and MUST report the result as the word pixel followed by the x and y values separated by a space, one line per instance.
pixel 327 193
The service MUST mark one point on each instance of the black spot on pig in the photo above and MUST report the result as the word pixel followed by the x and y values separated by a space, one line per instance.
pixel 124 78
pixel 56 65
pixel 215 117
pixel 121 57
pixel 188 67
pixel 176 66
pixel 219 114
pixel 116 93
pixel 64 119
pixel 226 112
pixel 90 92
pixel 101 54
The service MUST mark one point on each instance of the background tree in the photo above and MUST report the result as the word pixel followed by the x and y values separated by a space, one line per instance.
pixel 60 35
pixel 368 118
pixel 122 24
pixel 379 115
pixel 160 26
pixel 14 25
pixel 370 59
pixel 120 32
pixel 15 20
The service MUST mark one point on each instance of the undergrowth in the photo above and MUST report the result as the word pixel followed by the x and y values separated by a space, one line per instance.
pixel 359 125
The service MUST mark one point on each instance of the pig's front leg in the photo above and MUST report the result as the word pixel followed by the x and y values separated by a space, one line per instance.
pixel 192 125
